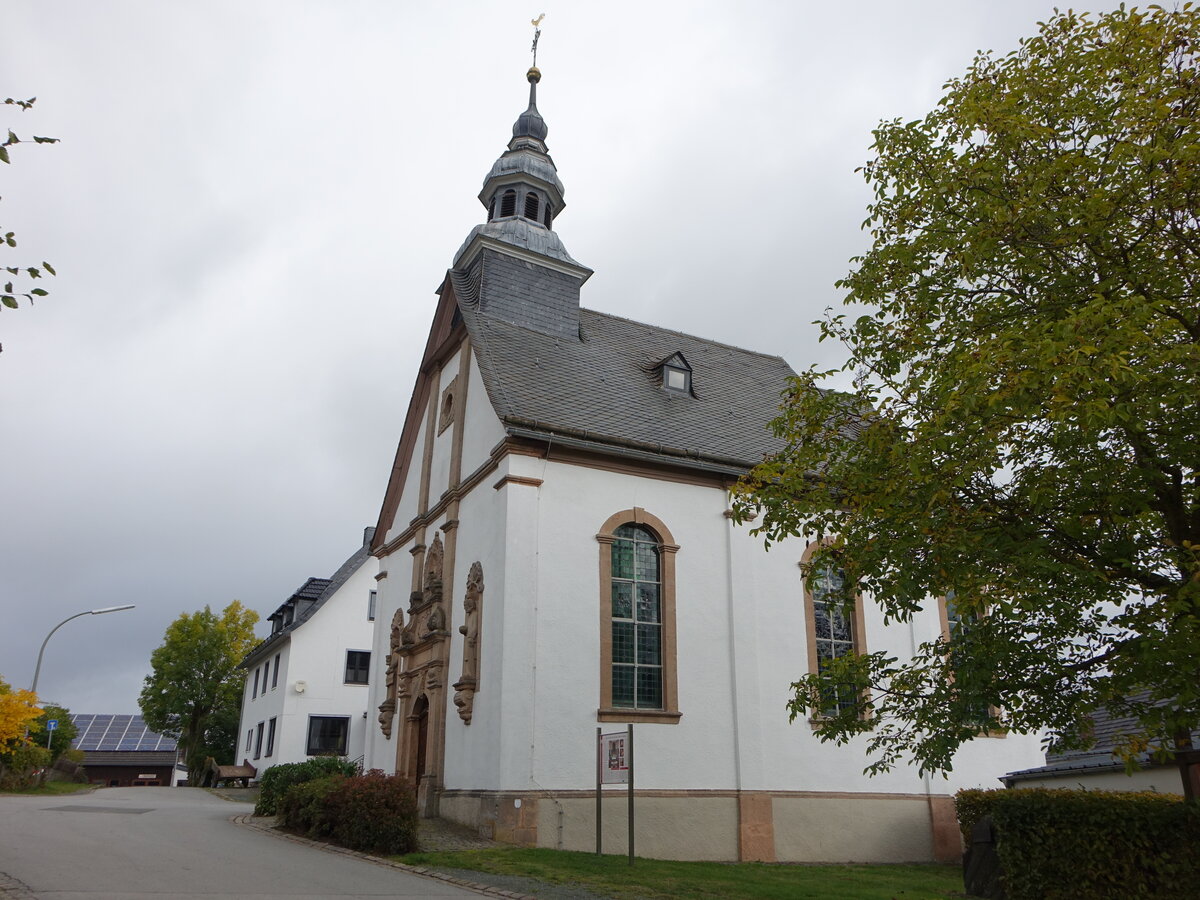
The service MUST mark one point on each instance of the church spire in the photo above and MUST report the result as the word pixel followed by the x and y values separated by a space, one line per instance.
pixel 530 123
pixel 522 193
pixel 514 267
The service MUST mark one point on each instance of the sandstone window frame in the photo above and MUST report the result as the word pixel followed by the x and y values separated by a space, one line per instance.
pixel 669 713
pixel 995 715
pixel 857 624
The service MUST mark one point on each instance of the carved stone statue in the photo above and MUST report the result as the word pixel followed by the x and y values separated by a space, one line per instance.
pixel 387 708
pixel 433 571
pixel 387 711
pixel 433 677
pixel 468 684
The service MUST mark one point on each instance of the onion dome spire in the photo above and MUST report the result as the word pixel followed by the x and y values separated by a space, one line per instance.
pixel 530 123
pixel 522 193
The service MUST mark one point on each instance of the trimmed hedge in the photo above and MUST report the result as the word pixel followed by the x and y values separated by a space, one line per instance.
pixel 375 813
pixel 1067 844
pixel 302 807
pixel 275 781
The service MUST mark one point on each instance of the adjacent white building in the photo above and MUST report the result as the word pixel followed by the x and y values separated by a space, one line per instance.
pixel 307 683
pixel 556 557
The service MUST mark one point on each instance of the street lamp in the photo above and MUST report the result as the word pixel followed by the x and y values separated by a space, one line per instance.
pixel 88 612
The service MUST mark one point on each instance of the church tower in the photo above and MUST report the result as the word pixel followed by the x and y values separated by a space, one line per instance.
pixel 514 267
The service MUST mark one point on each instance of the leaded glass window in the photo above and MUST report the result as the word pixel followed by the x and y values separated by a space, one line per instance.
pixel 958 625
pixel 637 661
pixel 833 625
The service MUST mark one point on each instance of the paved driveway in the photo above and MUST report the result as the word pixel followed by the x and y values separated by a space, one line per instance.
pixel 146 843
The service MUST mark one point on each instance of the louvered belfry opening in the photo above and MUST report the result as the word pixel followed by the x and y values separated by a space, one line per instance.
pixel 531 206
pixel 508 204
pixel 546 218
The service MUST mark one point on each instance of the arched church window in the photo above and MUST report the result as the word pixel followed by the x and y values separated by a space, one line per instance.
pixel 531 206
pixel 508 204
pixel 637 619
pixel 492 210
pixel 833 611
pixel 546 218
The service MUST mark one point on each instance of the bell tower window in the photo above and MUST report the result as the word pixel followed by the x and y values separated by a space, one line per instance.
pixel 508 204
pixel 531 206
pixel 546 218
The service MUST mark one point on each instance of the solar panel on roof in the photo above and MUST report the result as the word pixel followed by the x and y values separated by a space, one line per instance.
pixel 120 733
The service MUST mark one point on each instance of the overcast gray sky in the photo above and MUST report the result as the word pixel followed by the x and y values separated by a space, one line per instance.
pixel 252 205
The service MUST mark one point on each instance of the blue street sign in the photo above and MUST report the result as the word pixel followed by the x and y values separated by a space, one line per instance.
pixel 51 724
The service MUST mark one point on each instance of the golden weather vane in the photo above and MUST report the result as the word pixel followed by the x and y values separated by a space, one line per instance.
pixel 537 33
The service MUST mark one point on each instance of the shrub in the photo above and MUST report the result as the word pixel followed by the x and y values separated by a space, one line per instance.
pixel 276 780
pixel 21 764
pixel 1059 844
pixel 375 813
pixel 302 808
pixel 971 805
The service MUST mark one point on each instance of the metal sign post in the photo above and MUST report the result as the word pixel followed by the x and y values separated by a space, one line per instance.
pixel 614 765
pixel 51 724
pixel 631 793
pixel 599 782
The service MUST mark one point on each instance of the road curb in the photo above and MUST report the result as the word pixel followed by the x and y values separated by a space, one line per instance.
pixel 260 824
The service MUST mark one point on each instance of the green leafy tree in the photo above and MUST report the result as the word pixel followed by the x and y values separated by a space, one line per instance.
pixel 1022 434
pixel 20 758
pixel 12 287
pixel 58 740
pixel 194 682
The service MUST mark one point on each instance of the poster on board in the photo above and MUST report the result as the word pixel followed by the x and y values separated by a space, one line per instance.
pixel 614 758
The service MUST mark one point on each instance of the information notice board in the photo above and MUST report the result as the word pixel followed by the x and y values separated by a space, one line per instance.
pixel 614 765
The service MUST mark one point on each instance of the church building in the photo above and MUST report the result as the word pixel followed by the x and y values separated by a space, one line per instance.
pixel 557 558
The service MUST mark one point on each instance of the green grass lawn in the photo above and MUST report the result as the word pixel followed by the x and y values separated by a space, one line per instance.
pixel 53 788
pixel 654 879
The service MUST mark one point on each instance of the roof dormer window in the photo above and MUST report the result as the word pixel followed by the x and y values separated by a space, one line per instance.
pixel 676 374
pixel 677 379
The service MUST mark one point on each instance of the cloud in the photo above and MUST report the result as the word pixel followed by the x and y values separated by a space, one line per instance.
pixel 252 205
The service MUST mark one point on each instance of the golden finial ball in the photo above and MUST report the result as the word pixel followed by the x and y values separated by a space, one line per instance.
pixel 534 75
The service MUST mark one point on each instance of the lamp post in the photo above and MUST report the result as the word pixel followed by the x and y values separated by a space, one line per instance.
pixel 87 612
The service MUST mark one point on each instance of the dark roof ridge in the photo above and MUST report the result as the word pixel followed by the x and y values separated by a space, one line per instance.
pixel 692 337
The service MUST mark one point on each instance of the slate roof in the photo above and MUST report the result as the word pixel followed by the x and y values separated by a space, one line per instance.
pixel 605 389
pixel 315 592
pixel 520 233
pixel 1107 731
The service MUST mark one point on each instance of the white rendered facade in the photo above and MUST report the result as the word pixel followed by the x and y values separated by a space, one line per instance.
pixel 741 641
pixel 303 671
pixel 494 652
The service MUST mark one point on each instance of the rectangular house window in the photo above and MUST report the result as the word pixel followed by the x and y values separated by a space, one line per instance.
pixel 372 598
pixel 271 737
pixel 258 741
pixel 249 739
pixel 358 666
pixel 275 677
pixel 254 693
pixel 327 735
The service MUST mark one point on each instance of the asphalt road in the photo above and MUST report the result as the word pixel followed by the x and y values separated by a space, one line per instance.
pixel 177 843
